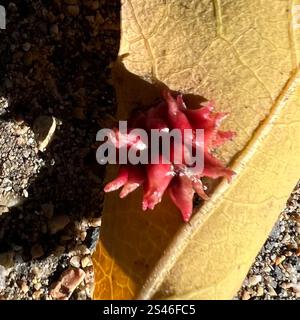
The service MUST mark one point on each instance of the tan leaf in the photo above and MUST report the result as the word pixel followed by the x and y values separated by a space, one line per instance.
pixel 244 55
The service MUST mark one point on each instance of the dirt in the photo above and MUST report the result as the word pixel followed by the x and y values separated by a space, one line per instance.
pixel 54 62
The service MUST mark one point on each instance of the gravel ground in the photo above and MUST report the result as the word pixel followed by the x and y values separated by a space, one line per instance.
pixel 276 271
pixel 55 94
pixel 19 162
pixel 54 69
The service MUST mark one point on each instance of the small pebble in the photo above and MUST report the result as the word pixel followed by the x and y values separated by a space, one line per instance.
pixel 54 30
pixel 260 291
pixel 58 223
pixel 86 261
pixel 68 282
pixel 26 46
pixel 75 261
pixel 271 291
pixel 296 287
pixel 246 295
pixel 254 280
pixel 7 259
pixel 83 235
pixel 73 10
pixel 267 269
pixel 24 287
pixel 25 193
pixel 279 260
pixel 36 295
pixel 37 286
pixel 95 222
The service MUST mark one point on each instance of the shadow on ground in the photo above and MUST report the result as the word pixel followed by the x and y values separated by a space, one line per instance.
pixel 54 61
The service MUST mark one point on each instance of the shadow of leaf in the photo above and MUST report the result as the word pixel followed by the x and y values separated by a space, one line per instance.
pixel 56 64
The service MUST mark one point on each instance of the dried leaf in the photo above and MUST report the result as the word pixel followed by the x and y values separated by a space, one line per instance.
pixel 244 55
